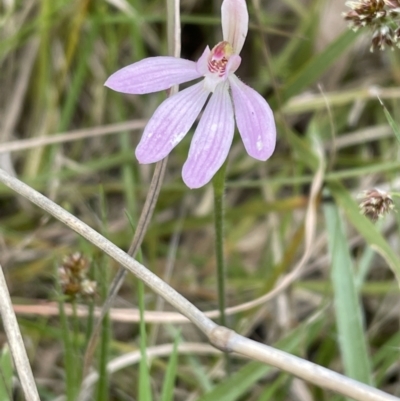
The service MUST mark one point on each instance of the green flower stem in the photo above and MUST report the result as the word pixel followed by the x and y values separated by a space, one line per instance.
pixel 219 190
pixel 219 193
pixel 72 386
pixel 75 326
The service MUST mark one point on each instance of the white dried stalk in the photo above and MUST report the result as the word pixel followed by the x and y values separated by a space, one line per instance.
pixel 15 342
pixel 70 136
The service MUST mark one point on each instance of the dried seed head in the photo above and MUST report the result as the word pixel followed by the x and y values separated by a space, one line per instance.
pixel 73 276
pixel 76 262
pixel 381 38
pixel 364 12
pixel 375 203
pixel 392 4
pixel 381 16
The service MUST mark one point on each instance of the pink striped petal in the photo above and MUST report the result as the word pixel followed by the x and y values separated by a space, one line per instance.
pixel 254 119
pixel 170 123
pixel 235 23
pixel 211 141
pixel 232 65
pixel 152 74
pixel 202 62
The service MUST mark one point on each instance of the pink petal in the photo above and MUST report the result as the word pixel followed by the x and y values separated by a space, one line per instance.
pixel 235 23
pixel 211 141
pixel 170 123
pixel 254 119
pixel 232 65
pixel 202 62
pixel 152 74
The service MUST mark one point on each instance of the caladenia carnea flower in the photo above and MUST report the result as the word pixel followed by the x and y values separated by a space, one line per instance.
pixel 230 99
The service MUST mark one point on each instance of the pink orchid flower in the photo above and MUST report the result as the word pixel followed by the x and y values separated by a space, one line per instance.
pixel 176 115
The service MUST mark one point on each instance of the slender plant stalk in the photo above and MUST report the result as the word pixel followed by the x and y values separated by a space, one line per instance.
pixel 69 355
pixel 105 338
pixel 89 321
pixel 14 338
pixel 70 136
pixel 219 193
pixel 144 387
pixel 103 278
pixel 219 189
pixel 75 326
pixel 70 343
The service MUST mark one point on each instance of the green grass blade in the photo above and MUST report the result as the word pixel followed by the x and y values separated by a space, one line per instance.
pixel 72 381
pixel 386 356
pixel 270 393
pixel 144 375
pixel 238 383
pixel 6 374
pixel 365 227
pixel 105 337
pixel 349 316
pixel 395 127
pixel 318 65
pixel 103 277
pixel 167 393
pixel 200 374
pixel 364 265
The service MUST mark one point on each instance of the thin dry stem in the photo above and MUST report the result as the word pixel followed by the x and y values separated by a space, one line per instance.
pixel 70 136
pixel 307 370
pixel 15 104
pixel 16 343
pixel 134 357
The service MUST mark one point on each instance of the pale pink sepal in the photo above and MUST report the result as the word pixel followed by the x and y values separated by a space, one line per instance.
pixel 202 62
pixel 232 65
pixel 235 23
pixel 211 141
pixel 254 119
pixel 152 74
pixel 170 123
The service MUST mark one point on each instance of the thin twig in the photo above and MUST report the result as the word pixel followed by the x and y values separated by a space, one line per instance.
pixel 134 357
pixel 16 101
pixel 221 337
pixel 70 136
pixel 16 343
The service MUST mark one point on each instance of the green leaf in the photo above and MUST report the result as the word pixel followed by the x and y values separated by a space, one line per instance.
pixel 170 376
pixel 273 390
pixel 144 375
pixel 386 356
pixel 318 65
pixel 6 374
pixel 349 315
pixel 392 123
pixel 238 383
